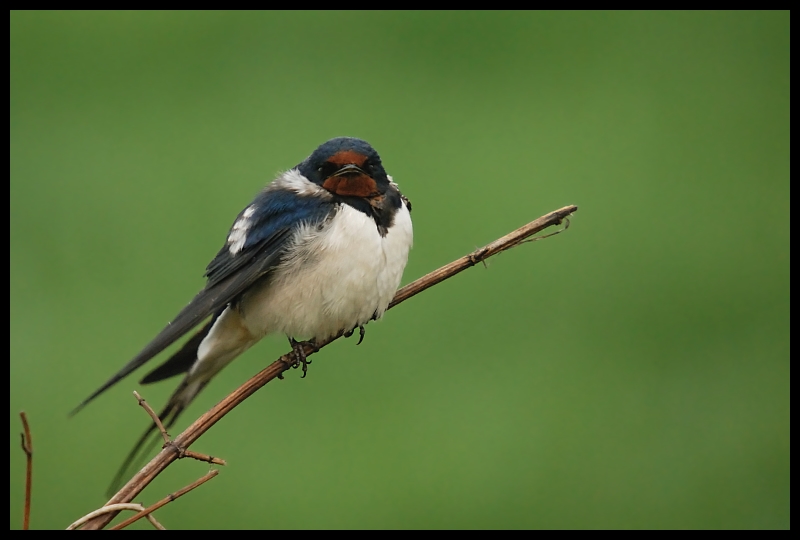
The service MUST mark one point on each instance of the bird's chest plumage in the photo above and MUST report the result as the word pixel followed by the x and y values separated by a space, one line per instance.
pixel 334 277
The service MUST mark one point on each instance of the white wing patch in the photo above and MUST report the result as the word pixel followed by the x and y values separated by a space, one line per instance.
pixel 291 180
pixel 238 235
pixel 295 181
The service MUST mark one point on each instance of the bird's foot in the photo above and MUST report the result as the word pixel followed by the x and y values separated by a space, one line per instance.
pixel 361 333
pixel 299 350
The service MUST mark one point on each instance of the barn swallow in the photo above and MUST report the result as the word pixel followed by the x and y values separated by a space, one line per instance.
pixel 320 251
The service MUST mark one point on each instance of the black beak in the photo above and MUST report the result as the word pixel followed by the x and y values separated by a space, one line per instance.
pixel 348 169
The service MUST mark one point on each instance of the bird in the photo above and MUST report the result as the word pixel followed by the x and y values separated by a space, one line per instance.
pixel 320 251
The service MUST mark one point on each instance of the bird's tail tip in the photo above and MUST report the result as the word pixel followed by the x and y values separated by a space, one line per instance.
pixel 78 409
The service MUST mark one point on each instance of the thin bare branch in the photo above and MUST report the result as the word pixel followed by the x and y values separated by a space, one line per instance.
pixel 27 447
pixel 182 453
pixel 166 500
pixel 508 241
pixel 115 509
pixel 172 452
pixel 154 416
pixel 204 457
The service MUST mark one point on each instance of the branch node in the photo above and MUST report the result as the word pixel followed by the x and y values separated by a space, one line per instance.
pixel 179 450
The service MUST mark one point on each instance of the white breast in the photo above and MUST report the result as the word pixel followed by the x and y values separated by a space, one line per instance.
pixel 336 280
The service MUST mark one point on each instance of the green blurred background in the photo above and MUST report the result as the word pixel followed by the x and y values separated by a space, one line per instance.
pixel 632 372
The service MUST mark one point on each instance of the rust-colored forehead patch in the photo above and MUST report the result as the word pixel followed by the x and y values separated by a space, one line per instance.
pixel 347 157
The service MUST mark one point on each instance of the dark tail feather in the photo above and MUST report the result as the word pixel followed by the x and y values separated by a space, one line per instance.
pixel 132 457
pixel 181 361
pixel 121 374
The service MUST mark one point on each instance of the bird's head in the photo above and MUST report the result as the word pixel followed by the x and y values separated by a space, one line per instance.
pixel 347 167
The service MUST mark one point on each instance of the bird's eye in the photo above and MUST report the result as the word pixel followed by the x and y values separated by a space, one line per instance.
pixel 327 169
